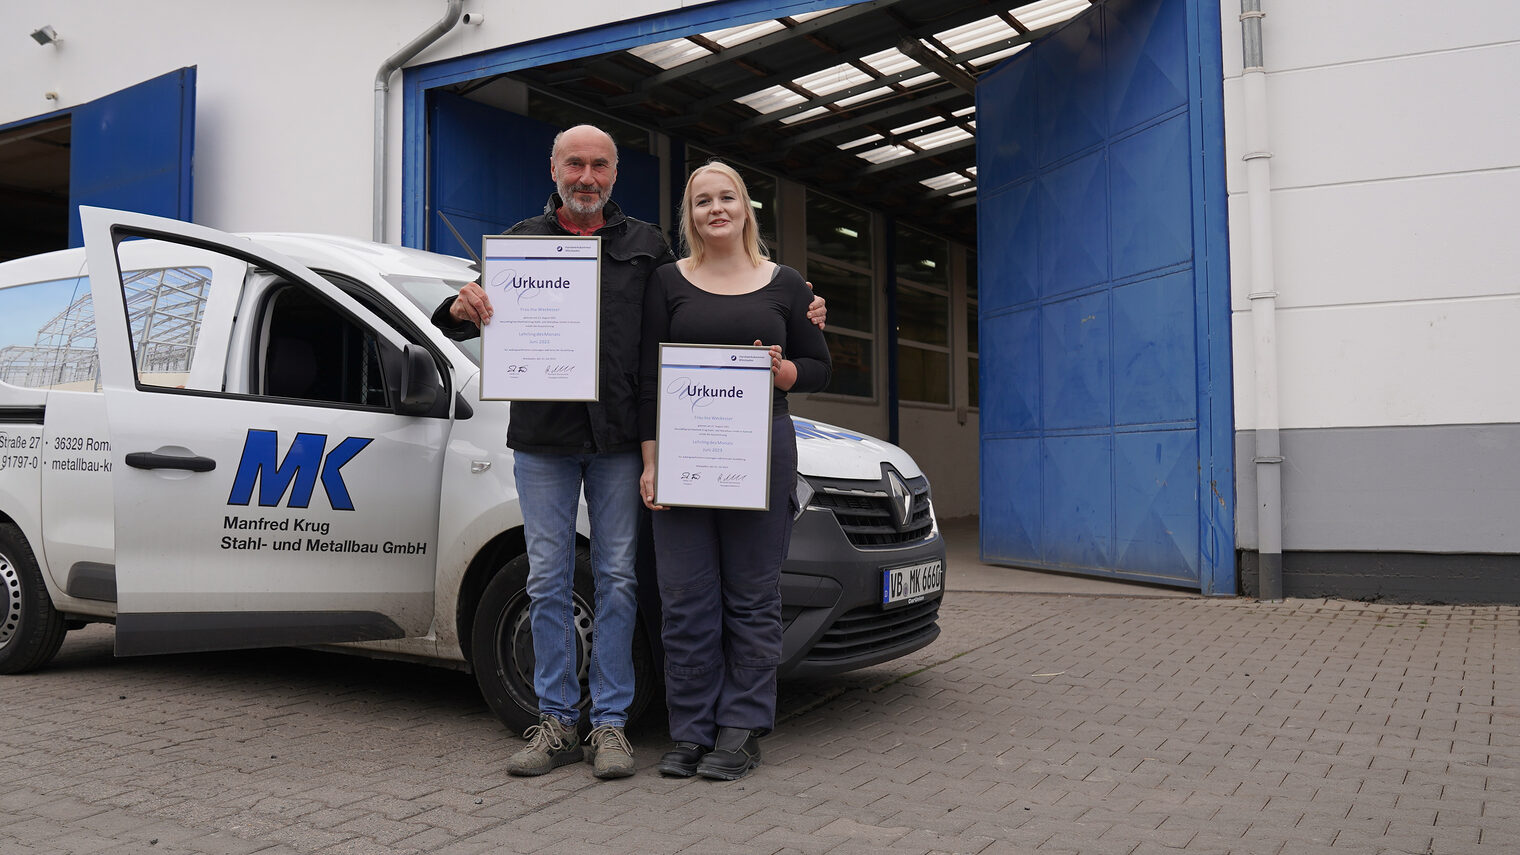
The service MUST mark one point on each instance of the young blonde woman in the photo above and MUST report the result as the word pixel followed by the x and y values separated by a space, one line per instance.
pixel 719 570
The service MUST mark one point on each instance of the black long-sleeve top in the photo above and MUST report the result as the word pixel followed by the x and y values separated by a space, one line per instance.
pixel 677 311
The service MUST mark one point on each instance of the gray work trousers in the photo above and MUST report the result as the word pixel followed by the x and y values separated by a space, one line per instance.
pixel 719 573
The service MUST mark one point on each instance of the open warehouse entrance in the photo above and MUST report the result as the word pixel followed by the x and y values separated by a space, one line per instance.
pixel 1015 210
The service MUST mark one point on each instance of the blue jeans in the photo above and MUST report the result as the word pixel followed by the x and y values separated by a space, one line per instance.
pixel 549 486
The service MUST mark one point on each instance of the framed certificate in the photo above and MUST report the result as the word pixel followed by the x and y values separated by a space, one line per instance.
pixel 714 433
pixel 542 341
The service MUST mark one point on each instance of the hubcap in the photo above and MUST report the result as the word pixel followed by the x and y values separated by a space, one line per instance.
pixel 516 640
pixel 10 601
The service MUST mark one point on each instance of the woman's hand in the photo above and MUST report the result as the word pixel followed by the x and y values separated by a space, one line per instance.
pixel 646 480
pixel 783 371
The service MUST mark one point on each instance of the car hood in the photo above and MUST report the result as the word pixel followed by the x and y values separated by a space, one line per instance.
pixel 827 451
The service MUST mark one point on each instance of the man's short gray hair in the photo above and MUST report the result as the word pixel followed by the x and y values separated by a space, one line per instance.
pixel 554 148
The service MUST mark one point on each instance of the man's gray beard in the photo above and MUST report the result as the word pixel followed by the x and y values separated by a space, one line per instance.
pixel 567 195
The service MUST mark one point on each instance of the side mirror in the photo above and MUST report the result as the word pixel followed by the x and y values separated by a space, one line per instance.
pixel 419 382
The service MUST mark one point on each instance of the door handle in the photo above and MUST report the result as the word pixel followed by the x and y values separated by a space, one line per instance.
pixel 154 460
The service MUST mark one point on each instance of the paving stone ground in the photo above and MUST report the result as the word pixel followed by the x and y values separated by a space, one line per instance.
pixel 1036 723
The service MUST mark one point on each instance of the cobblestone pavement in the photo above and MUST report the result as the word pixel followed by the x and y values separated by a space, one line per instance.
pixel 1036 723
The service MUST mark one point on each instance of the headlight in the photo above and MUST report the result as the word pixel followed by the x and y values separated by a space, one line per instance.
pixel 802 495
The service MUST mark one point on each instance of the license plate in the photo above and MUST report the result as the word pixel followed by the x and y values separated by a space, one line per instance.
pixel 911 583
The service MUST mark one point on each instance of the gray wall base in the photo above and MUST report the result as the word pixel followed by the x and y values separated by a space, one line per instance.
pixel 1398 577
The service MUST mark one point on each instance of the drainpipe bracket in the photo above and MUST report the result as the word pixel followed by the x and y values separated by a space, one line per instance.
pixel 1266 460
pixel 1262 295
pixel 1256 13
pixel 1257 155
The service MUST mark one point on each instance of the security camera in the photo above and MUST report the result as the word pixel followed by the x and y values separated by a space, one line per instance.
pixel 472 18
pixel 45 35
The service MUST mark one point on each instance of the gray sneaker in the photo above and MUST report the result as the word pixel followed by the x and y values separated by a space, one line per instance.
pixel 609 752
pixel 551 744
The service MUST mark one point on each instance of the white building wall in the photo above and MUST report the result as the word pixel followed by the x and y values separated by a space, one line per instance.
pixel 1395 134
pixel 284 90
pixel 1395 139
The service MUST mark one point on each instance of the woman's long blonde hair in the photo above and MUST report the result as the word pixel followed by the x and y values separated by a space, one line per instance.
pixel 696 250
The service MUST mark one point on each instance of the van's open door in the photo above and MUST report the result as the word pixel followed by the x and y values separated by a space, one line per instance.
pixel 294 504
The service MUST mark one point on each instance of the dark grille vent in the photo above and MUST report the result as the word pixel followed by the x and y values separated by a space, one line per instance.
pixel 864 630
pixel 866 514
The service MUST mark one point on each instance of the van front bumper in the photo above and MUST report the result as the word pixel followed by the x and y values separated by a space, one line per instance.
pixel 832 618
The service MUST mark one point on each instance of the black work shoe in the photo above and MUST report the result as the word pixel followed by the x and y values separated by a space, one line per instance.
pixel 681 761
pixel 735 752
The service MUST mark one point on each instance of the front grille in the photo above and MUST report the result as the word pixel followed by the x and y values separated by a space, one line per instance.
pixel 859 632
pixel 865 514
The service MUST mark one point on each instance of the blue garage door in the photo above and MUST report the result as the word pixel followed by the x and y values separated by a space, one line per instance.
pixel 1105 302
pixel 132 150
pixel 489 168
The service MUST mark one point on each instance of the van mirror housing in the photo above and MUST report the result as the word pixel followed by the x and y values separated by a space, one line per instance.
pixel 419 382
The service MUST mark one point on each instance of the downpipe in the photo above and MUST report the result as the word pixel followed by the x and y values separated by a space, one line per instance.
pixel 382 90
pixel 1263 296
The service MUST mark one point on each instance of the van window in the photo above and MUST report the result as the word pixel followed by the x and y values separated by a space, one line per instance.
pixel 311 352
pixel 47 329
pixel 47 336
pixel 165 307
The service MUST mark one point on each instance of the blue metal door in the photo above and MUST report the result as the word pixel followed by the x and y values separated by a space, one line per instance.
pixel 1105 413
pixel 132 150
pixel 489 168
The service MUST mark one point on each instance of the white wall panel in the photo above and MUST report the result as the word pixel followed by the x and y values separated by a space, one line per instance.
pixel 1439 237
pixel 1420 115
pixel 1419 363
pixel 1308 33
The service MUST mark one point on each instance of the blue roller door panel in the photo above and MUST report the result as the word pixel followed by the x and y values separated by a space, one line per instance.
pixel 1102 311
pixel 132 150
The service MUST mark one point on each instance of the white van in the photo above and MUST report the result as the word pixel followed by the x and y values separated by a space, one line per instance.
pixel 221 442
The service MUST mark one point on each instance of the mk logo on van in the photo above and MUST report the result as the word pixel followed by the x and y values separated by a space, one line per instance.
pixel 302 465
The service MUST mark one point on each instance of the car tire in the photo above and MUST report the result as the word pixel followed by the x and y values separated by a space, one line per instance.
pixel 31 630
pixel 502 646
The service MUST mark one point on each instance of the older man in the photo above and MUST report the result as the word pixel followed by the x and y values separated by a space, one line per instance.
pixel 561 446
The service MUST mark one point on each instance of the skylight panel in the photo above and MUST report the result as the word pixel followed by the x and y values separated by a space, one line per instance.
pixel 770 100
pixel 889 61
pixel 919 80
pixel 670 54
pixel 998 56
pixel 833 79
pixel 1047 12
pixel 805 114
pixel 962 192
pixel 860 142
pixel 939 138
pixel 867 95
pixel 741 34
pixel 964 111
pixel 975 34
pixel 916 125
pixel 808 16
pixel 885 153
pixel 940 182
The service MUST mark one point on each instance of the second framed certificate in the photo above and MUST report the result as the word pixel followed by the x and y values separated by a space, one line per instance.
pixel 541 343
pixel 714 434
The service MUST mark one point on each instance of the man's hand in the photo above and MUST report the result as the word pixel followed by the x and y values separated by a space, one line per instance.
pixel 817 313
pixel 474 306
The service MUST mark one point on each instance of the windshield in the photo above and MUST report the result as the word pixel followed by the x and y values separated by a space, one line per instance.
pixel 427 292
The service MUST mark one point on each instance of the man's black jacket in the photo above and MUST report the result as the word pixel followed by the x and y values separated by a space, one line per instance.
pixel 631 250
